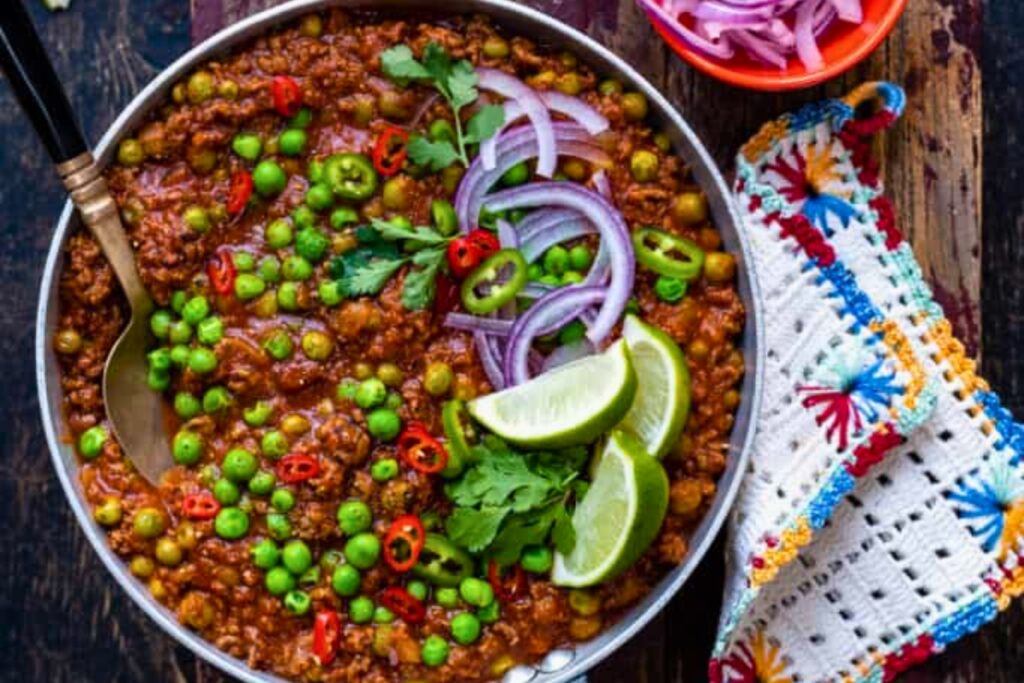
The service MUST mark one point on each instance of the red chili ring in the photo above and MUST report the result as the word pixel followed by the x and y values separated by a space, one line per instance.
pixel 422 451
pixel 326 632
pixel 297 467
pixel 508 588
pixel 239 192
pixel 403 604
pixel 407 533
pixel 200 506
pixel 388 156
pixel 221 271
pixel 287 95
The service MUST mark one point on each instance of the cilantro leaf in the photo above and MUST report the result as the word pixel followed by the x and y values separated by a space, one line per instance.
pixel 520 531
pixel 438 65
pixel 485 123
pixel 562 532
pixel 421 284
pixel 400 64
pixel 435 155
pixel 391 231
pixel 461 81
pixel 474 529
pixel 372 277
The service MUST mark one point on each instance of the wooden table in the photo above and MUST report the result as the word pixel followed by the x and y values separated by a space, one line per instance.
pixel 63 616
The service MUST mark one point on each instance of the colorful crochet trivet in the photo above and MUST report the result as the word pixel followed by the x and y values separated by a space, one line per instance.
pixel 882 515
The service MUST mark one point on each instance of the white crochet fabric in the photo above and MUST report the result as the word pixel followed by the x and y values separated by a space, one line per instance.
pixel 881 515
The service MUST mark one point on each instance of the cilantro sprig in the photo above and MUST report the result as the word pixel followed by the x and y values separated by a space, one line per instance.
pixel 509 500
pixel 457 84
pixel 365 270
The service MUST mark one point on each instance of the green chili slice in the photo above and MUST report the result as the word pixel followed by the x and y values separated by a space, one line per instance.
pixel 350 176
pixel 668 254
pixel 442 562
pixel 457 432
pixel 495 282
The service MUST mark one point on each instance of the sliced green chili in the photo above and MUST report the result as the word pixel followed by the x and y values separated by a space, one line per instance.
pixel 668 254
pixel 491 285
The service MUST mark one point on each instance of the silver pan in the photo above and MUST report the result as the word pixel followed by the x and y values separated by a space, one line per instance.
pixel 559 666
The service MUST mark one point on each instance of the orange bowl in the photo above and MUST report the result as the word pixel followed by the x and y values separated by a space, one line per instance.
pixel 842 45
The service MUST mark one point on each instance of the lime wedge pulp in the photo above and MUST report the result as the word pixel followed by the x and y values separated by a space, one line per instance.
pixel 568 406
pixel 662 402
pixel 618 518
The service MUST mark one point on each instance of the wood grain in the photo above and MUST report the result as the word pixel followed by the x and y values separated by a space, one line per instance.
pixel 64 618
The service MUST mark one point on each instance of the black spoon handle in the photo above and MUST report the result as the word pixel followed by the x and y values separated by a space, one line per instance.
pixel 36 85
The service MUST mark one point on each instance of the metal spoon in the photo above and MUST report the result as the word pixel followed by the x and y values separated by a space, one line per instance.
pixel 135 412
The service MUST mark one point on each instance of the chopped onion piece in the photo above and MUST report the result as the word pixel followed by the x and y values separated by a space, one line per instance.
pixel 533 106
pixel 489 357
pixel 476 323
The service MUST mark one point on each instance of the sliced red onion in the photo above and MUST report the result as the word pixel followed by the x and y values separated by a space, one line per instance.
pixel 489 358
pixel 534 290
pixel 552 312
pixel 571 229
pixel 507 235
pixel 568 353
pixel 543 219
pixel 489 147
pixel 476 323
pixel 602 184
pixel 849 10
pixel 721 50
pixel 609 223
pixel 576 109
pixel 806 45
pixel 533 106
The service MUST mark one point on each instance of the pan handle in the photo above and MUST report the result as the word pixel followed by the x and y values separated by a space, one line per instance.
pixel 36 85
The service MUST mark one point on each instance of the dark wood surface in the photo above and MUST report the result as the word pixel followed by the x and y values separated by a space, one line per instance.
pixel 63 618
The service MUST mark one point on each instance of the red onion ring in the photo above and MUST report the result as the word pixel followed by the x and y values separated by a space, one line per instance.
pixel 533 106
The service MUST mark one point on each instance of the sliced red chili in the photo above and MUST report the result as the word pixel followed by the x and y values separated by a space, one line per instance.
pixel 221 271
pixel 463 256
pixel 486 241
pixel 422 451
pixel 389 153
pixel 287 96
pixel 403 543
pixel 326 631
pixel 200 506
pixel 507 588
pixel 403 604
pixel 297 467
pixel 239 192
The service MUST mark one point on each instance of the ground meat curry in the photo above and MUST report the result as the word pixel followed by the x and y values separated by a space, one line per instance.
pixel 272 361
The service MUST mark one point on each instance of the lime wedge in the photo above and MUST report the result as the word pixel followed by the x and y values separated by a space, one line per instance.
pixel 568 406
pixel 662 402
pixel 618 518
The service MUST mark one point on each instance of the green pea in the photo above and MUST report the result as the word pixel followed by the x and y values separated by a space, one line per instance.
pixel 109 512
pixel 517 175
pixel 434 651
pixel 362 370
pixel 257 414
pixel 633 306
pixel 200 87
pixel 296 268
pixel 465 628
pixel 210 331
pixel 160 323
pixel 244 261
pixel 346 580
pixel 393 401
pixel 186 405
pixel 343 216
pixel 571 277
pixel 584 603
pixel 160 359
pixel 371 392
pixel 282 500
pixel 644 166
pixel 149 522
pixel 418 590
pixel 278 234
pixel 248 146
pixel 690 208
pixel 384 470
pixel 274 444
pixel 239 465
pixel 382 615
pixel 216 399
pixel 489 614
pixel 208 475
pixel 580 258
pixel 329 292
pixel 610 87
pixel 279 581
pixel 571 333
pixel 438 378
pixel 202 361
pixel 397 193
pixel 278 526
pixel 384 425
pixel 248 286
pixel 130 152
pixel 310 577
pixel 447 597
pixel 354 517
pixel 292 143
pixel 634 106
pixel 179 355
pixel 158 380
pixel 476 592
pixel 269 269
pixel 228 90
pixel 669 289
pixel 320 197
pixel 556 260
pixel 180 332
pixel 360 610
pixel 441 130
pixel 317 345
pixel 331 559
pixel 226 492
pixel 187 447
pixel 262 483
pixel 296 557
pixel 303 217
pixel 496 47
pixel 231 523
pixel 288 296
pixel 265 554
pixel 534 272
pixel 489 219
pixel 362 550
pixel 443 214
pixel 305 115
pixel 197 219
pixel 268 178
pixel 537 559
pixel 167 552
pixel 141 566
pixel 278 344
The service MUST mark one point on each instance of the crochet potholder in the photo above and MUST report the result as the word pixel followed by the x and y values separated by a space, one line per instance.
pixel 882 513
